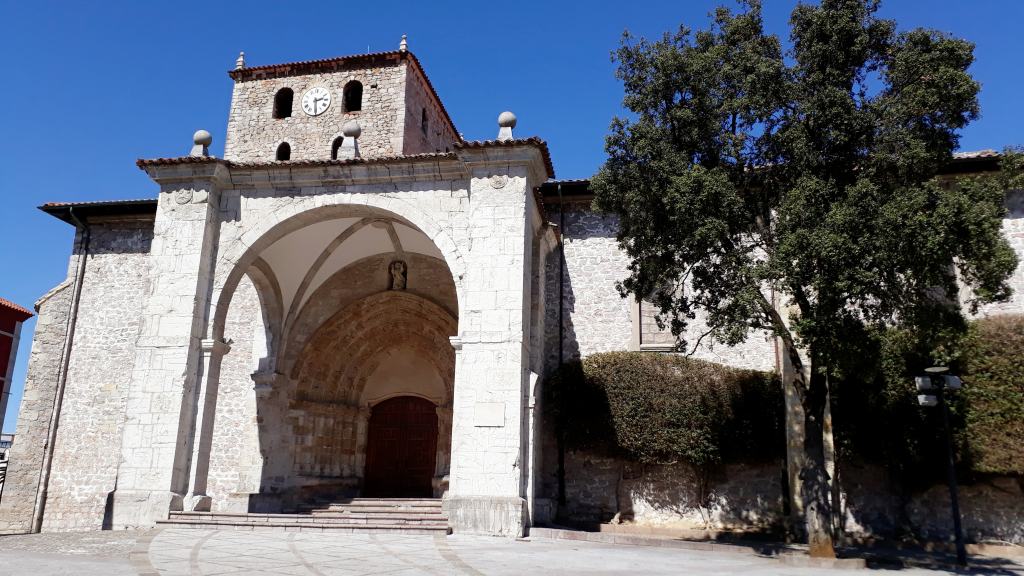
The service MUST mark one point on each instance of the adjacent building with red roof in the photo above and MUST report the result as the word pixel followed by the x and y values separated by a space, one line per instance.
pixel 11 318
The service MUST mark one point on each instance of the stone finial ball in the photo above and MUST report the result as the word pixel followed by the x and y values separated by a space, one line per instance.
pixel 202 138
pixel 507 120
pixel 352 129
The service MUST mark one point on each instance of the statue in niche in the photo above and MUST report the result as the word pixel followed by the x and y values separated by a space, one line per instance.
pixel 398 271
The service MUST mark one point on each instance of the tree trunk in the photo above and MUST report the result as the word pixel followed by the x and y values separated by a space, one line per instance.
pixel 813 476
pixel 809 490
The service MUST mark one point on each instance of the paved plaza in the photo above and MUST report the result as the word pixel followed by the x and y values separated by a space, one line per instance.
pixel 211 553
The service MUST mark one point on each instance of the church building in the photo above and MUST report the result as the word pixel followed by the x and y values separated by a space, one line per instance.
pixel 354 305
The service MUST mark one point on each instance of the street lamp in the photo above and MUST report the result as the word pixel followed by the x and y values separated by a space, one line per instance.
pixel 932 388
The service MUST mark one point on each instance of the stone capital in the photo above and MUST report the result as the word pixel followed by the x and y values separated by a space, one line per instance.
pixel 265 382
pixel 215 346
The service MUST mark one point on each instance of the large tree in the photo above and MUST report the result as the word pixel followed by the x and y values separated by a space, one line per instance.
pixel 795 192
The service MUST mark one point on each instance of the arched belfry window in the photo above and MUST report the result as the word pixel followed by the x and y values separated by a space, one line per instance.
pixel 335 146
pixel 284 151
pixel 353 96
pixel 423 122
pixel 283 103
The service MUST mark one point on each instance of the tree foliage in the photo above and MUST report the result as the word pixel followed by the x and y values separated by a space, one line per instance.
pixel 745 172
pixel 655 408
pixel 740 171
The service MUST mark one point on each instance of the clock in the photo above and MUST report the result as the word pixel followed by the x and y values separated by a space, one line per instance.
pixel 316 100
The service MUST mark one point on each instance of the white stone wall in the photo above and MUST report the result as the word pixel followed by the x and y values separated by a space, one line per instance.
pixel 595 318
pixel 84 468
pixel 166 400
pixel 439 135
pixel 236 464
pixel 26 455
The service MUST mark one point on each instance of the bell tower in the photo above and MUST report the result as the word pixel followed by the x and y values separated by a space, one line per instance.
pixel 299 110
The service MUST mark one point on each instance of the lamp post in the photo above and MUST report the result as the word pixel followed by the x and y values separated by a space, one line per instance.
pixel 938 382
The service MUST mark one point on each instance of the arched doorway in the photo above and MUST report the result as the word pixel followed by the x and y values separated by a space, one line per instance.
pixel 401 444
pixel 343 337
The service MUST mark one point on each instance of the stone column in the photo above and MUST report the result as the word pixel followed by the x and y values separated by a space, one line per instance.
pixel 213 352
pixel 444 450
pixel 271 389
pixel 157 441
pixel 362 437
pixel 487 489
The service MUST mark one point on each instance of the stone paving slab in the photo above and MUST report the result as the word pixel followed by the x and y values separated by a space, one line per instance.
pixel 174 552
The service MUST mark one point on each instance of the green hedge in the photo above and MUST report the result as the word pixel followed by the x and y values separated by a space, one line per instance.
pixel 993 395
pixel 877 418
pixel 657 408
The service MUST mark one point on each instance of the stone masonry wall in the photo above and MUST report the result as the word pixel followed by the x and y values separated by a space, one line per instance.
pixel 253 133
pixel 745 497
pixel 742 497
pixel 596 318
pixel 84 466
pixel 235 460
pixel 439 136
pixel 26 457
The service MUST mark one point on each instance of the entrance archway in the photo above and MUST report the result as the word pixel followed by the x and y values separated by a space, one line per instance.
pixel 401 443
pixel 359 309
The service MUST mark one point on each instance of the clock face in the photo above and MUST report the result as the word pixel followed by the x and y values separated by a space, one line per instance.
pixel 316 100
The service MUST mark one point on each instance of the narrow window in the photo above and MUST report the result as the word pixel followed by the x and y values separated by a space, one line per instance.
pixel 284 151
pixel 423 122
pixel 353 96
pixel 335 146
pixel 283 103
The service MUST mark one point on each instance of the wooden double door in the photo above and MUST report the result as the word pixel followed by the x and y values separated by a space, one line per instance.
pixel 401 449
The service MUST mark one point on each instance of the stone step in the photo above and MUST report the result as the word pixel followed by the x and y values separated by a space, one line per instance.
pixel 378 503
pixel 371 513
pixel 371 510
pixel 326 518
pixel 303 527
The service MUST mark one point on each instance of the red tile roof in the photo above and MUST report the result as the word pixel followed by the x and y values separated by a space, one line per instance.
pixel 340 63
pixel 97 203
pixel 532 141
pixel 143 162
pixel 12 306
pixel 75 213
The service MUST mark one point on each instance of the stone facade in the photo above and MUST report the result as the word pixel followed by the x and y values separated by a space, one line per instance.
pixel 24 468
pixel 734 497
pixel 236 463
pixel 395 98
pixel 749 497
pixel 596 318
pixel 234 336
pixel 84 469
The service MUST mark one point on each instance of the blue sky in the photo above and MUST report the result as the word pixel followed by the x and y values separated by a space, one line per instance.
pixel 91 87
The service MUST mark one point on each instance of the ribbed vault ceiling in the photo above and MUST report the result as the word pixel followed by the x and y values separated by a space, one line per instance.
pixel 303 260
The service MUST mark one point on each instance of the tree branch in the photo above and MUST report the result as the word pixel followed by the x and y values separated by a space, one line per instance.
pixel 788 342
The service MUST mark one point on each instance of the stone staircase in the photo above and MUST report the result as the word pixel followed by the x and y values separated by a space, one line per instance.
pixel 357 515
